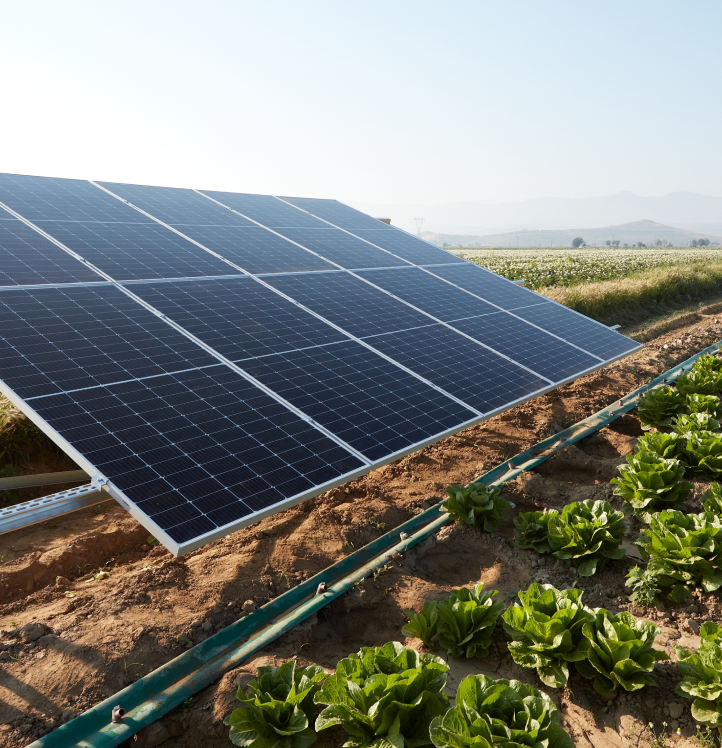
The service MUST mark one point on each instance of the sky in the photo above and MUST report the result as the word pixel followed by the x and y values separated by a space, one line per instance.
pixel 369 102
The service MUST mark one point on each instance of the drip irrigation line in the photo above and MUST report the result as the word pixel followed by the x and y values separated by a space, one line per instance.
pixel 154 695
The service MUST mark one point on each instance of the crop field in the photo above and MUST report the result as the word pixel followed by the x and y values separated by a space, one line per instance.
pixel 570 267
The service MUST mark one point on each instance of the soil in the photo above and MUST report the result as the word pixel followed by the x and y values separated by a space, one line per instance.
pixel 112 608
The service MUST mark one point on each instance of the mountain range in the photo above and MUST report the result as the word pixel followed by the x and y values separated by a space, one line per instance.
pixel 647 232
pixel 685 210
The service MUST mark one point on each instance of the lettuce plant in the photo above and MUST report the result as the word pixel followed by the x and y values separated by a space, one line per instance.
pixel 712 499
pixel 422 625
pixel 279 708
pixel 504 713
pixel 659 443
pixel 617 652
pixel 704 404
pixel 467 621
pixel 477 505
pixel 587 534
pixel 658 406
pixel 532 530
pixel 707 362
pixel 701 673
pixel 384 697
pixel 683 551
pixel 687 423
pixel 546 630
pixel 649 483
pixel 702 451
pixel 699 382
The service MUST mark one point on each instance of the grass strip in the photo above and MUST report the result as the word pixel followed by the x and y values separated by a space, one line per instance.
pixel 644 295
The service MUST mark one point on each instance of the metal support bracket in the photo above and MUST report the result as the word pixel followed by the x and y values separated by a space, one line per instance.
pixel 47 507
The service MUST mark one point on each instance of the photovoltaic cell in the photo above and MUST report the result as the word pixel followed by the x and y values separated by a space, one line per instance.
pixel 266 209
pixel 527 345
pixel 346 301
pixel 409 247
pixel 429 293
pixel 340 215
pixel 578 329
pixel 196 450
pixel 176 206
pixel 65 338
pixel 136 251
pixel 468 371
pixel 239 317
pixel 38 198
pixel 344 249
pixel 256 249
pixel 371 404
pixel 491 287
pixel 27 258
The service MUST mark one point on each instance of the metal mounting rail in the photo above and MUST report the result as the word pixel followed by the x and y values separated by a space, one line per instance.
pixel 47 507
pixel 43 479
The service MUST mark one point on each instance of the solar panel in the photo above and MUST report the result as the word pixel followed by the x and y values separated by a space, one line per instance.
pixel 28 259
pixel 344 249
pixel 131 251
pixel 409 247
pixel 209 393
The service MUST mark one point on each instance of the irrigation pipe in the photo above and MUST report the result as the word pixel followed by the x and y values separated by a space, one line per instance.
pixel 170 685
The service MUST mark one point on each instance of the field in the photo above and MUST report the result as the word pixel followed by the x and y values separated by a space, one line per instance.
pixel 614 286
pixel 569 267
pixel 104 630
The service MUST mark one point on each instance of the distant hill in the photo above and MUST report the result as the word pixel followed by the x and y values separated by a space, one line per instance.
pixel 643 231
pixel 687 210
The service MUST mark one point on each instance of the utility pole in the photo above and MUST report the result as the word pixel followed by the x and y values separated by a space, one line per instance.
pixel 419 225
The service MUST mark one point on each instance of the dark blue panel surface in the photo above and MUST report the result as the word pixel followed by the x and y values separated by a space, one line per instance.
pixel 588 334
pixel 409 247
pixel 239 317
pixel 37 198
pixel 475 375
pixel 337 213
pixel 55 339
pixel 136 251
pixel 266 209
pixel 256 249
pixel 176 206
pixel 344 249
pixel 350 303
pixel 196 450
pixel 371 404
pixel 527 345
pixel 429 293
pixel 491 287
pixel 27 258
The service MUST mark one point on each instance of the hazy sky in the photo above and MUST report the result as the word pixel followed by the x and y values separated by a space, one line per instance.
pixel 369 101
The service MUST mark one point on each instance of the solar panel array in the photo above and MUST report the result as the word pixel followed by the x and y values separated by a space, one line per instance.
pixel 216 357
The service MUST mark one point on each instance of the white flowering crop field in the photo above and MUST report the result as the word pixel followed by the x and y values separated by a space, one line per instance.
pixel 568 267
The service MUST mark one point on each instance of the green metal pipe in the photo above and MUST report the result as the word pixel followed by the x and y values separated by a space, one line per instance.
pixel 156 694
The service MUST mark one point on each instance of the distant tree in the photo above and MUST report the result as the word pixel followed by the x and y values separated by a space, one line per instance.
pixel 608 242
pixel 640 245
pixel 445 244
pixel 577 242
pixel 626 246
pixel 658 243
pixel 616 243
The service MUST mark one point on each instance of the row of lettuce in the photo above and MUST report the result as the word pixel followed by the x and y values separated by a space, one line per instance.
pixel 391 697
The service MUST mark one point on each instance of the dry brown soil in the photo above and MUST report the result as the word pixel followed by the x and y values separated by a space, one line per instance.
pixel 102 633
